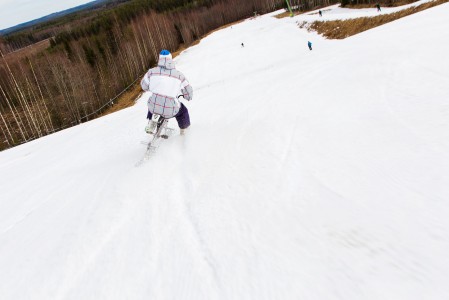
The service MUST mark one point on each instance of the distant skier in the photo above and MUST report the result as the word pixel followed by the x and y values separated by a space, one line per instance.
pixel 243 45
pixel 166 84
pixel 378 6
pixel 309 43
pixel 320 13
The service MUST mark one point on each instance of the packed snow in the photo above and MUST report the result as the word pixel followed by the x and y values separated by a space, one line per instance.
pixel 305 174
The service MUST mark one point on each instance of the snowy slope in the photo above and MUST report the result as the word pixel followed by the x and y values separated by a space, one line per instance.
pixel 306 175
pixel 335 12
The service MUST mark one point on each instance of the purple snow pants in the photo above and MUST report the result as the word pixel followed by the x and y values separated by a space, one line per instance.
pixel 182 117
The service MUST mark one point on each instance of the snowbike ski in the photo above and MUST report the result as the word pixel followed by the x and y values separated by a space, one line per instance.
pixel 161 132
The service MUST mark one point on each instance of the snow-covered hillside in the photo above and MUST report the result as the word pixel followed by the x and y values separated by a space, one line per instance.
pixel 335 12
pixel 316 174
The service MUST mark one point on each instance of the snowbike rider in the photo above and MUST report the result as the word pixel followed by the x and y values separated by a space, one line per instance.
pixel 166 85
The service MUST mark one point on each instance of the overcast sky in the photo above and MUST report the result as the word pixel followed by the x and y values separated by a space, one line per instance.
pixel 14 12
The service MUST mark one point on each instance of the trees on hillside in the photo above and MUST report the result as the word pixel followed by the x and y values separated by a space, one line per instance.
pixel 88 65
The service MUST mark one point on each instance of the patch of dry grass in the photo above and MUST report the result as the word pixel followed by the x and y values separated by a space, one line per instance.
pixel 282 15
pixel 126 100
pixel 340 29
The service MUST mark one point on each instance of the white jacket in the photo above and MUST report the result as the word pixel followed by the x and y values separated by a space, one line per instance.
pixel 165 84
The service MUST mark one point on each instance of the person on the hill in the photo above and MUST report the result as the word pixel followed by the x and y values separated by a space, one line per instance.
pixel 378 6
pixel 166 85
pixel 320 13
pixel 309 43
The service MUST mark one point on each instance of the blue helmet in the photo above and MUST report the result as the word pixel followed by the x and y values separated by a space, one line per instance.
pixel 164 52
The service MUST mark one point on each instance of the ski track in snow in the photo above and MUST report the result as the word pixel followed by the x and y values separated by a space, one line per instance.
pixel 305 175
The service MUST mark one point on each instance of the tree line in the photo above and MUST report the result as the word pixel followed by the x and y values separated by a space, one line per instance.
pixel 306 5
pixel 122 10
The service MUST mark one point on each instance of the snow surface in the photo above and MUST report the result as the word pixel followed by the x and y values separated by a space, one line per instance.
pixel 306 175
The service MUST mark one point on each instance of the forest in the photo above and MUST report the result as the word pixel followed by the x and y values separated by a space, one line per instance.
pixel 73 75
